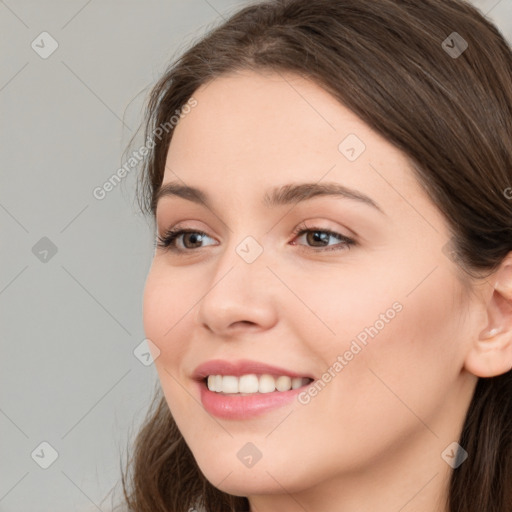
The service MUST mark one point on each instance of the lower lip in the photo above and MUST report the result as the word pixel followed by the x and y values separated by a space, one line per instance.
pixel 236 407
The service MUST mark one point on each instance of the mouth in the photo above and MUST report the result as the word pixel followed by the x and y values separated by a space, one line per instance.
pixel 244 389
pixel 252 384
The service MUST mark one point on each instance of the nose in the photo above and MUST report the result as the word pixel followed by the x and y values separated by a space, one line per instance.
pixel 239 296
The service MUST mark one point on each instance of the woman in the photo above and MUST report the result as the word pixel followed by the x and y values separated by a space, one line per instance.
pixel 330 301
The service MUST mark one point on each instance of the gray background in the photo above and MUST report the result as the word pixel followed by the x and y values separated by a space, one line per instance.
pixel 70 321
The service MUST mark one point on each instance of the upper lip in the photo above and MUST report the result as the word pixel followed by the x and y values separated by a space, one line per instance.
pixel 241 367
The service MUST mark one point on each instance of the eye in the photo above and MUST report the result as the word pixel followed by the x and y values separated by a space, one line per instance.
pixel 319 238
pixel 191 239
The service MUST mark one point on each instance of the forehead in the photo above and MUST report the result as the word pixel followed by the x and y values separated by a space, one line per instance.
pixel 254 108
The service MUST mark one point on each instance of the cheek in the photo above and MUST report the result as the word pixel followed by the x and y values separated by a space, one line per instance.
pixel 167 306
pixel 406 368
pixel 339 304
pixel 167 301
pixel 164 319
pixel 399 338
pixel 424 340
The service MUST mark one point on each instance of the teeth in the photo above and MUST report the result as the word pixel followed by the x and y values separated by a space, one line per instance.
pixel 284 383
pixel 229 384
pixel 246 384
pixel 267 384
pixel 252 383
pixel 296 382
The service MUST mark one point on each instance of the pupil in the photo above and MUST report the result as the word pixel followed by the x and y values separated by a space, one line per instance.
pixel 318 236
pixel 194 238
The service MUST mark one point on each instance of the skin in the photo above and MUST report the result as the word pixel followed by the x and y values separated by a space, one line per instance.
pixel 372 438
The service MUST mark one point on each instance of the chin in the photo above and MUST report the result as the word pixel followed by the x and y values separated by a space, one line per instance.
pixel 246 484
pixel 236 479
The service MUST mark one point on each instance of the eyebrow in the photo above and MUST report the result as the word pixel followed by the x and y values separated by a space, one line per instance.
pixel 278 196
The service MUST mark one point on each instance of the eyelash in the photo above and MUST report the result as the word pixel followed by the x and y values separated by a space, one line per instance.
pixel 167 241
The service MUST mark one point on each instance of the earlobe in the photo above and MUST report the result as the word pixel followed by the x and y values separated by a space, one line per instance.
pixel 490 353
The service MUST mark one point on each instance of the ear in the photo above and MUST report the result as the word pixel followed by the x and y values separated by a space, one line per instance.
pixel 490 353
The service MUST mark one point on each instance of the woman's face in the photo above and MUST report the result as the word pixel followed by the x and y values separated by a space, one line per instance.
pixel 384 315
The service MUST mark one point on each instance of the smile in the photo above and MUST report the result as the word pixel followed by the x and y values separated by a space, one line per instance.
pixel 242 389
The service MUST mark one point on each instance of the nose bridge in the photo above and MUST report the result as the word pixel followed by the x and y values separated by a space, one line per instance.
pixel 243 266
pixel 244 246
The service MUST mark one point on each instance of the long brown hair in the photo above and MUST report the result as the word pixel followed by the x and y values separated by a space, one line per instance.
pixel 399 67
